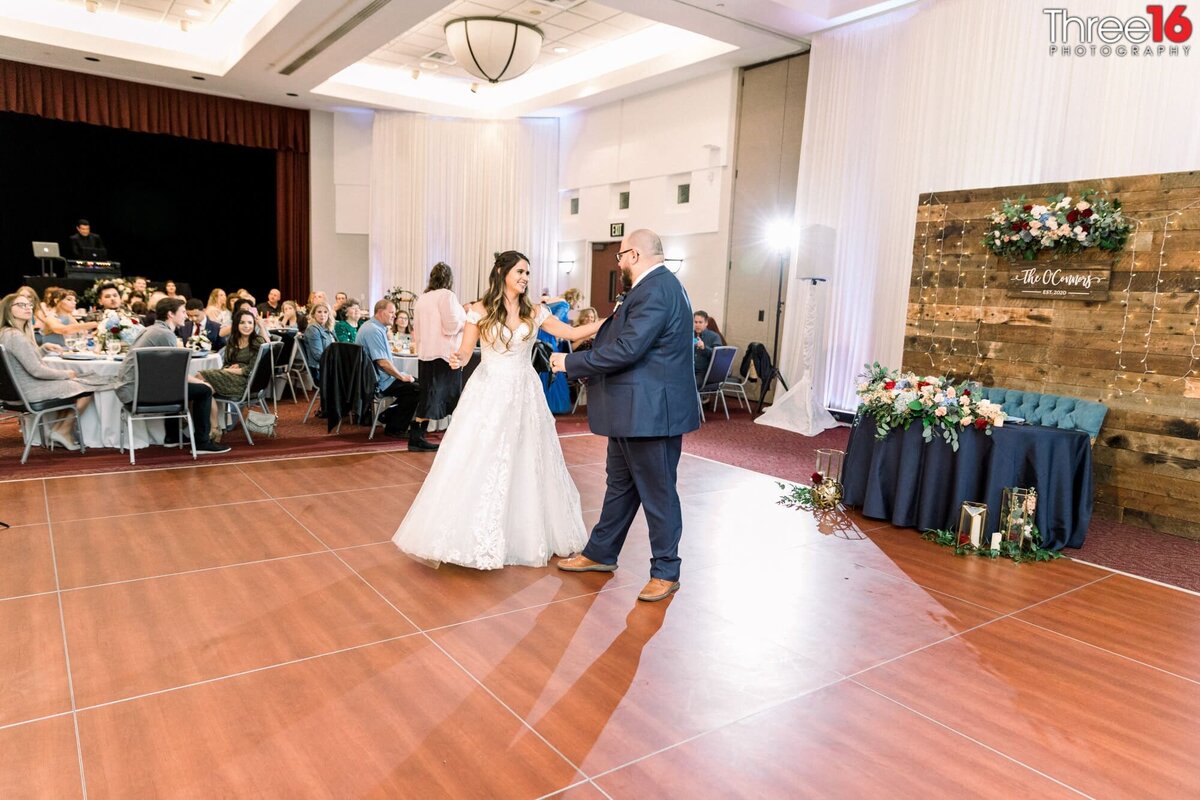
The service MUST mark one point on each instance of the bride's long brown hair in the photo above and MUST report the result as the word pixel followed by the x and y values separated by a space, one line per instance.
pixel 494 324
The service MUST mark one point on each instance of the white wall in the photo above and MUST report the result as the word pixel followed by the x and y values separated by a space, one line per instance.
pixel 647 145
pixel 340 160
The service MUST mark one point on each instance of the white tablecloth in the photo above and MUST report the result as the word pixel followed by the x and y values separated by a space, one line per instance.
pixel 100 422
pixel 406 364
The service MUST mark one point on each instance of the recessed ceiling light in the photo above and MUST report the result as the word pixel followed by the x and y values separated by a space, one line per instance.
pixel 191 12
pixel 561 50
pixel 429 65
pixel 90 58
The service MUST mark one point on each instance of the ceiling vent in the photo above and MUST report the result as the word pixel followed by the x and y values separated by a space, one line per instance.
pixel 347 26
pixel 439 56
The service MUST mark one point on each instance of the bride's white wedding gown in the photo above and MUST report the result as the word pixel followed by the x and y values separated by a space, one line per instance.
pixel 499 492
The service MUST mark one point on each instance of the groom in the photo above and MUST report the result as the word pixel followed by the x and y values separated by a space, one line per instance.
pixel 642 396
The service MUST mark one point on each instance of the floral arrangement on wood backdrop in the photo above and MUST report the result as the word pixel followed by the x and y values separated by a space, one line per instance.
pixel 1022 230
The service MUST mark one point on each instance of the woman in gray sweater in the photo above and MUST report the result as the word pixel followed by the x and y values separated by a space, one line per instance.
pixel 37 381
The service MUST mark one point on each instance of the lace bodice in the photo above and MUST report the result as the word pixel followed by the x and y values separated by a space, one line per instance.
pixel 510 344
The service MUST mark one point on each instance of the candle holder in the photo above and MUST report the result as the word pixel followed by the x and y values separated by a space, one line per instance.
pixel 829 464
pixel 972 525
pixel 1018 508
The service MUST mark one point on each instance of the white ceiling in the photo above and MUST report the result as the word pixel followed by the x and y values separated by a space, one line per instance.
pixel 333 54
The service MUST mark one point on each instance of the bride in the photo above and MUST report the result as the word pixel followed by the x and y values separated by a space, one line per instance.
pixel 499 491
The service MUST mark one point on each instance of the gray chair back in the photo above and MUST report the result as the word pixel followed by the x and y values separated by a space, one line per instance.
pixel 719 368
pixel 160 376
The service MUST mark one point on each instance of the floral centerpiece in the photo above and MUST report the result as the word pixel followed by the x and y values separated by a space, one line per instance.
pixel 115 326
pixel 199 343
pixel 897 400
pixel 1021 230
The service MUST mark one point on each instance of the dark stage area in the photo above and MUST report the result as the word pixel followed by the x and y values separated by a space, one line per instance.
pixel 195 212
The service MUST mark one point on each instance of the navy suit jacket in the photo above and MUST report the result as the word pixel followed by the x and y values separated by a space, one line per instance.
pixel 211 329
pixel 641 380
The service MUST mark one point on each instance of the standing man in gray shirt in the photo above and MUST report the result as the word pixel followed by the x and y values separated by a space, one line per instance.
pixel 170 314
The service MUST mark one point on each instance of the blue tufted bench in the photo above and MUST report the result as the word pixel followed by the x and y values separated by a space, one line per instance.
pixel 1051 410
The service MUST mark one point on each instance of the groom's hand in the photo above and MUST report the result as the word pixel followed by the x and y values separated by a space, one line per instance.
pixel 558 362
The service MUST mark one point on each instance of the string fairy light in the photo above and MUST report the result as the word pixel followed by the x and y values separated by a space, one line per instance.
pixel 962 233
pixel 924 269
pixel 1194 351
pixel 941 263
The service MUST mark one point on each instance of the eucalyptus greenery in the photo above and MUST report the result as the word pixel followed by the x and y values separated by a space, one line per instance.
pixel 1008 549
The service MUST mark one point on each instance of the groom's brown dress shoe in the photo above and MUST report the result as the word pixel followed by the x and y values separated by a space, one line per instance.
pixel 658 589
pixel 584 564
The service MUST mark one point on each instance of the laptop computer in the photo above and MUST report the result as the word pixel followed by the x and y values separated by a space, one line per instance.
pixel 46 250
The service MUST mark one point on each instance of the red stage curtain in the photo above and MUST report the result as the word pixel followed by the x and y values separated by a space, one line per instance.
pixel 75 97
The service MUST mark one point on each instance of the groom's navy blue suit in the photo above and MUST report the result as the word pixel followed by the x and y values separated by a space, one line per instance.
pixel 642 395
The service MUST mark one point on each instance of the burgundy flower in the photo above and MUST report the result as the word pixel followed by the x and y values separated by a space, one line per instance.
pixel 1016 226
pixel 1087 212
pixel 1027 208
pixel 817 479
pixel 889 384
pixel 980 423
pixel 1072 216
pixel 966 392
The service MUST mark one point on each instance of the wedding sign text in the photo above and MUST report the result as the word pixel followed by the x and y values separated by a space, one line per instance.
pixel 1062 284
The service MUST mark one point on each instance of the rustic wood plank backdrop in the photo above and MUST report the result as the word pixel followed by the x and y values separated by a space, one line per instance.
pixel 1138 351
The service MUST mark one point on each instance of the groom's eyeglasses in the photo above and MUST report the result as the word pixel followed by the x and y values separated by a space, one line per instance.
pixel 623 252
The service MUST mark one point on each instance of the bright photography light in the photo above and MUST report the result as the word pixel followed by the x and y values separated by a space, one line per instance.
pixel 781 235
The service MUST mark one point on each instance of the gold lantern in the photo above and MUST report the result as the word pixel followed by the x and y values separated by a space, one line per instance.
pixel 827 479
pixel 1018 509
pixel 972 525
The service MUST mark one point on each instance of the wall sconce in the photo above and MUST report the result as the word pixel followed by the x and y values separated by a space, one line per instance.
pixel 570 264
pixel 677 262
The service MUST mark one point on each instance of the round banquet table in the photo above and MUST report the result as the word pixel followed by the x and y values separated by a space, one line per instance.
pixel 100 422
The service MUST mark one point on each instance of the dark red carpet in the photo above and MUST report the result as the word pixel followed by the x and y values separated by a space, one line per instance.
pixel 736 441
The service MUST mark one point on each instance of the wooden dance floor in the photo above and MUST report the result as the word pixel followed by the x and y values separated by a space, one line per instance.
pixel 248 630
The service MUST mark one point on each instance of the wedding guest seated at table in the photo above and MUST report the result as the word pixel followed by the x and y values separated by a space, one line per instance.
pixel 339 300
pixel 391 382
pixel 170 315
pixel 198 323
pixel 108 297
pixel 238 356
pixel 704 341
pixel 141 286
pixel 288 317
pixel 271 307
pixel 346 327
pixel 586 317
pixel 37 380
pixel 218 311
pixel 61 323
pixel 317 336
pixel 170 289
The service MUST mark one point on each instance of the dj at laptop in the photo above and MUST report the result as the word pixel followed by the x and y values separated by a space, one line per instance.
pixel 87 246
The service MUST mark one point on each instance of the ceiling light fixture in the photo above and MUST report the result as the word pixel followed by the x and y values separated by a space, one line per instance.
pixel 492 48
pixel 431 65
pixel 560 49
pixel 184 24
pixel 92 6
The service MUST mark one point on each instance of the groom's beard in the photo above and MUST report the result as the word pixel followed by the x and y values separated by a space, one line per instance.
pixel 627 277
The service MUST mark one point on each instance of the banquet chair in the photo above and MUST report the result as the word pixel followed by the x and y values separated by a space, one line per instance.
pixel 160 378
pixel 258 387
pixel 718 371
pixel 283 365
pixel 31 415
pixel 300 368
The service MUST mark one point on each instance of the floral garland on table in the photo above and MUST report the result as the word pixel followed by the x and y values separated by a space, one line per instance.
pixel 116 326
pixel 1021 230
pixel 200 343
pixel 897 400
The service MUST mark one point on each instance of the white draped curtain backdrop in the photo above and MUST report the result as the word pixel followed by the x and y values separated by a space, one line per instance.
pixel 956 94
pixel 458 191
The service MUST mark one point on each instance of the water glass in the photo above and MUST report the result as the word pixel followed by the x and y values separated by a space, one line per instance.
pixel 114 346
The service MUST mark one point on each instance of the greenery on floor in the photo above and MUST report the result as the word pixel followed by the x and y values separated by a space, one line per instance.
pixel 1008 549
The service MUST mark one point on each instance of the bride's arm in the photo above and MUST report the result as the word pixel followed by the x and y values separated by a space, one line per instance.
pixel 470 336
pixel 561 330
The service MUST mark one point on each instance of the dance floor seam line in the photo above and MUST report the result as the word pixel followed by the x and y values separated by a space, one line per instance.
pixel 421 632
pixel 1001 616
pixel 766 709
pixel 62 621
pixel 1136 577
pixel 969 738
pixel 1094 646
